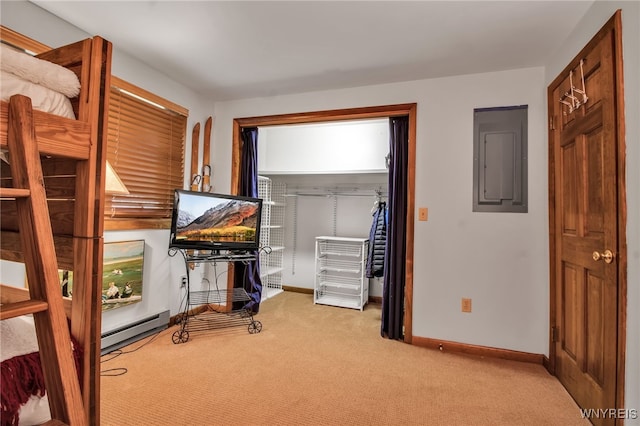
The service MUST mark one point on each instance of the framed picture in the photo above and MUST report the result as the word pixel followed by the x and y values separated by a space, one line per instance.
pixel 66 282
pixel 122 273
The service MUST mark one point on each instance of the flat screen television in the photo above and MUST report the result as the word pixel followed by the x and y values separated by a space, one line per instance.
pixel 209 221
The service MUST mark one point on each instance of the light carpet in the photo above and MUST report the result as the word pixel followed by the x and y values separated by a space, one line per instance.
pixel 321 365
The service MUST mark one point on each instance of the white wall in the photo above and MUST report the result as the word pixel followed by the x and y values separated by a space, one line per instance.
pixel 499 260
pixel 591 23
pixel 161 275
pixel 338 147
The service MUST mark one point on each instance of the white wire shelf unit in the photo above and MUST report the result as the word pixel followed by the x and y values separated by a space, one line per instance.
pixel 340 272
pixel 272 235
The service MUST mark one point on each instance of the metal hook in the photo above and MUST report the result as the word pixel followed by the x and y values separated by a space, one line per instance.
pixel 575 102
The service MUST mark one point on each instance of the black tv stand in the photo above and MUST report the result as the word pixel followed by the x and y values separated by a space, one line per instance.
pixel 227 307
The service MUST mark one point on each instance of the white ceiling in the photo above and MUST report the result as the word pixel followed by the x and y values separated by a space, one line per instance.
pixel 242 49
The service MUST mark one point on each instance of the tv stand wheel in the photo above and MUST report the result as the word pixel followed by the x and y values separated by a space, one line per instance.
pixel 180 336
pixel 255 327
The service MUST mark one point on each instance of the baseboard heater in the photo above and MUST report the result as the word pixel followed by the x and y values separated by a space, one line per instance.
pixel 129 333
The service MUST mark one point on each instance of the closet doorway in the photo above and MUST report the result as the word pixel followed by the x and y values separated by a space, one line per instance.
pixel 408 110
pixel 332 184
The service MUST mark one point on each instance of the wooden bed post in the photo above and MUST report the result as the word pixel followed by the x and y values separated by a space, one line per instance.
pixel 89 221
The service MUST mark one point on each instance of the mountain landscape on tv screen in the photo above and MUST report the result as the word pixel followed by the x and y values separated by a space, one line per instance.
pixel 234 221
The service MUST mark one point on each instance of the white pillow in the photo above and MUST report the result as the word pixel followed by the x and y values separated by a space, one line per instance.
pixel 38 71
pixel 42 98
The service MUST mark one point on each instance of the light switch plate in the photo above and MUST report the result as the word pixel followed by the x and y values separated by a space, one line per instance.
pixel 423 214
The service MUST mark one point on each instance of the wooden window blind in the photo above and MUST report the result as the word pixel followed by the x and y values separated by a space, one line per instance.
pixel 146 149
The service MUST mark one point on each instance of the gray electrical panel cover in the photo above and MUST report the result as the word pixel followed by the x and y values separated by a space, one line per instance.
pixel 500 159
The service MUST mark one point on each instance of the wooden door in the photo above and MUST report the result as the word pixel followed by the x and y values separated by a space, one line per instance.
pixel 585 218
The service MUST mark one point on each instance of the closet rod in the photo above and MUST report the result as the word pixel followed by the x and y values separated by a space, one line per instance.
pixel 335 194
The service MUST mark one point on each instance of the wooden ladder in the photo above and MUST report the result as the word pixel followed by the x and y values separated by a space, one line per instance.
pixel 36 236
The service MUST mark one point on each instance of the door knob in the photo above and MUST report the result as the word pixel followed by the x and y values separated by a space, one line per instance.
pixel 607 256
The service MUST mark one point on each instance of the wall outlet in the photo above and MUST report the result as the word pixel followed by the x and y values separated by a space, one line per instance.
pixel 183 282
pixel 466 305
pixel 423 214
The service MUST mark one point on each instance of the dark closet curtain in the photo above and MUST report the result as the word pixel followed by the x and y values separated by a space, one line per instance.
pixel 248 275
pixel 394 277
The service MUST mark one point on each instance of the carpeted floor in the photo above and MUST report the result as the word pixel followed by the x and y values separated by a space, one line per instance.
pixel 320 365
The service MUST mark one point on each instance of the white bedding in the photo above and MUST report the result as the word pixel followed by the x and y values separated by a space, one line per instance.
pixel 18 337
pixel 42 98
pixel 48 85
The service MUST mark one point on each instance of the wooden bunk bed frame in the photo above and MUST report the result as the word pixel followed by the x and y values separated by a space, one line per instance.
pixel 72 157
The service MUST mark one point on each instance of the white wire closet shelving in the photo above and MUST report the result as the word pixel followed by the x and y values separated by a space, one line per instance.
pixel 340 272
pixel 271 235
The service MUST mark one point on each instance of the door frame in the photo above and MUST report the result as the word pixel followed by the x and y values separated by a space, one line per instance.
pixel 384 111
pixel 614 24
